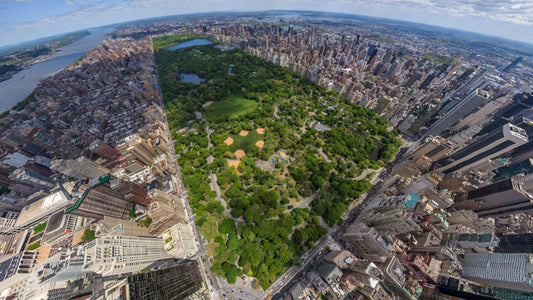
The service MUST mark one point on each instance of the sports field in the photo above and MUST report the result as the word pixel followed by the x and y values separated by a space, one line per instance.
pixel 245 142
pixel 232 107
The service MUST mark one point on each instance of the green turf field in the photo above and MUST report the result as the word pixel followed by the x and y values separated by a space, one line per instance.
pixel 244 142
pixel 233 106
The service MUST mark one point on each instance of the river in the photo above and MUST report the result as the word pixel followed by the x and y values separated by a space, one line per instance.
pixel 22 84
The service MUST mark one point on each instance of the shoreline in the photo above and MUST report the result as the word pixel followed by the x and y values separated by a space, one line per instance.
pixel 21 84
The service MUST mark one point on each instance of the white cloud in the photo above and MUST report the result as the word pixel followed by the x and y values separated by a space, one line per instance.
pixel 462 14
pixel 512 11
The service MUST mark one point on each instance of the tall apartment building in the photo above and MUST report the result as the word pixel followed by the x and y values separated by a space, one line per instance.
pixel 32 178
pixel 515 243
pixel 525 181
pixel 43 139
pixel 139 148
pixel 504 270
pixel 4 177
pixel 498 199
pixel 513 64
pixel 43 207
pixel 122 254
pixel 132 192
pixel 397 279
pixel 367 242
pixel 98 199
pixel 158 196
pixel 458 220
pixel 459 111
pixel 104 150
pixel 493 144
pixel 8 218
pixel 80 168
pixel 160 145
pixel 476 82
pixel 434 149
pixel 460 288
pixel 471 241
pixel 506 172
pixel 115 226
pixel 367 278
pixel 395 220
pixel 177 282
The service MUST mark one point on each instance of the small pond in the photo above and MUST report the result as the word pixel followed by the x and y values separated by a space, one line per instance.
pixel 191 78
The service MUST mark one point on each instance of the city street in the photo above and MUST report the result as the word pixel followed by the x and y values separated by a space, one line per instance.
pixel 285 282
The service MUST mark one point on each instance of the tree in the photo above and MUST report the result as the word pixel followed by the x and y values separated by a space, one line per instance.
pixel 227 226
pixel 88 235
pixel 260 245
pixel 132 212
pixel 233 242
pixel 256 285
pixel 234 191
pixel 146 222
pixel 4 190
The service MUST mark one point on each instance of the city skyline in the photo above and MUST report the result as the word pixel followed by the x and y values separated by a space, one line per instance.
pixel 277 155
pixel 27 20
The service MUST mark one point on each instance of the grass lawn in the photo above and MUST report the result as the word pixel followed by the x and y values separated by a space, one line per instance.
pixel 34 245
pixel 233 106
pixel 39 228
pixel 244 142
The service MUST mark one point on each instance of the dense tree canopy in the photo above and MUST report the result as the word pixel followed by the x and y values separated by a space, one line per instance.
pixel 259 228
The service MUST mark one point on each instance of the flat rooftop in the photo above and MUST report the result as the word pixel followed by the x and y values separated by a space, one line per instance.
pixel 43 206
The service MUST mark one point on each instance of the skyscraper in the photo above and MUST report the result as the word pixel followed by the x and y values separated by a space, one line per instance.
pixel 396 220
pixel 434 149
pixel 80 168
pixel 104 150
pixel 506 172
pixel 513 64
pixel 493 144
pixel 140 149
pixel 515 243
pixel 471 241
pixel 459 111
pixel 172 283
pixel 98 199
pixel 504 270
pixel 122 254
pixel 498 199
pixel 132 192
pixel 32 178
pixel 367 242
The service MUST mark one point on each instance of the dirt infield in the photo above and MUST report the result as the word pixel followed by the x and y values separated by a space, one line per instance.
pixel 239 154
pixel 234 163
pixel 260 144
pixel 243 133
pixel 260 130
pixel 228 141
pixel 207 103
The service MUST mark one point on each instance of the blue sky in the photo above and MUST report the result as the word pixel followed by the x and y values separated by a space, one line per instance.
pixel 24 20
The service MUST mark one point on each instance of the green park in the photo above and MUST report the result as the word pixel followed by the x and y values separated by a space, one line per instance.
pixel 260 223
pixel 232 107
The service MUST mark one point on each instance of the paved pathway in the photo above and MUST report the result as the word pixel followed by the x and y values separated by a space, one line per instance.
pixel 324 156
pixel 305 203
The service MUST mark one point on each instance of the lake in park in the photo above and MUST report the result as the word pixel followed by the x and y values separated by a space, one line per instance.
pixel 191 78
pixel 196 42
